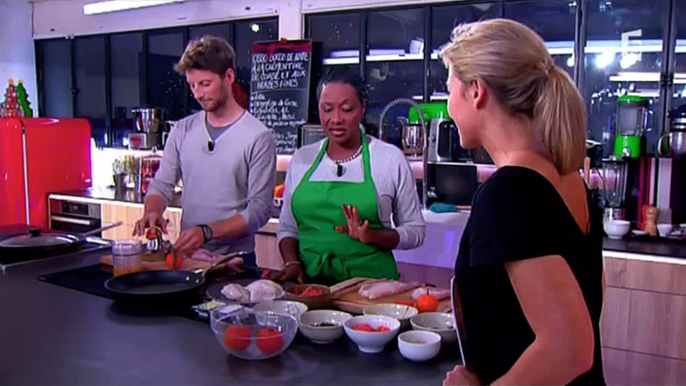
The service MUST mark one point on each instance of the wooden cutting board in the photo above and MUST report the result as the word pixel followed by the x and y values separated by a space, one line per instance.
pixel 346 298
pixel 155 262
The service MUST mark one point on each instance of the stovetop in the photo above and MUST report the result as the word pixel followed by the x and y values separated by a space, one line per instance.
pixel 18 258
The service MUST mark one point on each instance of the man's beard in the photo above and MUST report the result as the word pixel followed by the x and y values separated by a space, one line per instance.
pixel 214 105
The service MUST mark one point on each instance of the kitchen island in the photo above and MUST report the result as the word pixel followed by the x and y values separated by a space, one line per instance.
pixel 644 339
pixel 57 336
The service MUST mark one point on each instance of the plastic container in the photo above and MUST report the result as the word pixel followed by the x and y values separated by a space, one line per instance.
pixel 127 256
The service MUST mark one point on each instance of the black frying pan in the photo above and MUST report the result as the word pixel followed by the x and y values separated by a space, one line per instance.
pixel 177 287
pixel 37 242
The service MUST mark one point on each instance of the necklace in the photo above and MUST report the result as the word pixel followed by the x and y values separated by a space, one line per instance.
pixel 339 167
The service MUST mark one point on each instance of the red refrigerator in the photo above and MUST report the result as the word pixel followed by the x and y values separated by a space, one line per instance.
pixel 39 156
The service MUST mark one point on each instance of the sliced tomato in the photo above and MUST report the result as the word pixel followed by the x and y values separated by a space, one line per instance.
pixel 363 327
pixel 382 329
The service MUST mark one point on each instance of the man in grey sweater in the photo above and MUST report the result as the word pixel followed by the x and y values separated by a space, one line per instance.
pixel 225 156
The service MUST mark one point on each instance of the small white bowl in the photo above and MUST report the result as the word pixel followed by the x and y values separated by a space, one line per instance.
pixel 616 229
pixel 282 307
pixel 665 229
pixel 372 342
pixel 441 323
pixel 323 334
pixel 397 311
pixel 418 345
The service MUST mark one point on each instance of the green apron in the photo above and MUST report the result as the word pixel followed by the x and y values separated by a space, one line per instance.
pixel 328 256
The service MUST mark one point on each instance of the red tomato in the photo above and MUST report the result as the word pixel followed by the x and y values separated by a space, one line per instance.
pixel 269 341
pixel 427 303
pixel 382 329
pixel 173 260
pixel 363 327
pixel 151 234
pixel 237 338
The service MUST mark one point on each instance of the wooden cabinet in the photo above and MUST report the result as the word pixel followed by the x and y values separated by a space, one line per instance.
pixel 129 214
pixel 644 323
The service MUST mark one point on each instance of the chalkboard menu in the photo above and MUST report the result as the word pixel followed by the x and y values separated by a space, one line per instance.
pixel 280 88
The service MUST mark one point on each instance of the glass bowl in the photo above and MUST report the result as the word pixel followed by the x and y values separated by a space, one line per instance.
pixel 253 335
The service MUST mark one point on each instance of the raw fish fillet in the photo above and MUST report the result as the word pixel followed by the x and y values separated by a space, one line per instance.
pixel 262 290
pixel 211 257
pixel 236 292
pixel 205 255
pixel 440 294
pixel 386 288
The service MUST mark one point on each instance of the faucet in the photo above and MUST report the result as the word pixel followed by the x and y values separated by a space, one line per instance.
pixel 425 173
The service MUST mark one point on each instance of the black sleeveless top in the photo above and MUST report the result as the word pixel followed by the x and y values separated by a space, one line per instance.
pixel 518 214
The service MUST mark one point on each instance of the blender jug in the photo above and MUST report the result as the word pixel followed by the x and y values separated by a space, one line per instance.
pixel 614 187
pixel 633 120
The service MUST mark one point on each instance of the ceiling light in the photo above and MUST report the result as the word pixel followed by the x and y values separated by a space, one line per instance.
pixel 121 5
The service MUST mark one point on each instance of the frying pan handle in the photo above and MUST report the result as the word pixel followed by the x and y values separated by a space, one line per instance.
pixel 106 227
pixel 223 260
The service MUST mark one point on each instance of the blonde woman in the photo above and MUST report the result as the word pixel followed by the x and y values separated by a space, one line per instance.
pixel 529 271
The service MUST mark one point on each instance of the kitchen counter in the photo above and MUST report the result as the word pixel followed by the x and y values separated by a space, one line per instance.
pixel 110 194
pixel 53 335
pixel 444 231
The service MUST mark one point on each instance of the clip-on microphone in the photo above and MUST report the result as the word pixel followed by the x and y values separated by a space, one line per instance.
pixel 210 146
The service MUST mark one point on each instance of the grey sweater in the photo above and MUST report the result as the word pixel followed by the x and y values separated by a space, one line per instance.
pixel 237 177
pixel 395 188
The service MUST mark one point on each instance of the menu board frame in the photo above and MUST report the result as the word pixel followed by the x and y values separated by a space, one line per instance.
pixel 277 69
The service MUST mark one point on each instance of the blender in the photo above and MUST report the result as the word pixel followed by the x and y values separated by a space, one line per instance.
pixel 614 176
pixel 632 122
pixel 147 129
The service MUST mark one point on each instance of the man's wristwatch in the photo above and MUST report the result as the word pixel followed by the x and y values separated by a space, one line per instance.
pixel 206 232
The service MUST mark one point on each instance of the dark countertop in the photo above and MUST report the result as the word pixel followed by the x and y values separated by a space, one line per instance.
pixel 111 194
pixel 57 336
pixel 663 247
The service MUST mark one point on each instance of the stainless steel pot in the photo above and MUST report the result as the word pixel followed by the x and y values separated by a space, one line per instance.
pixel 147 120
pixel 674 143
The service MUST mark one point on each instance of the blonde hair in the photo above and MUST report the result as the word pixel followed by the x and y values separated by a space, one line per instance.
pixel 514 63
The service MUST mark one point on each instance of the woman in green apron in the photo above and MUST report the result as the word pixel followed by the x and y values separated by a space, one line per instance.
pixel 340 194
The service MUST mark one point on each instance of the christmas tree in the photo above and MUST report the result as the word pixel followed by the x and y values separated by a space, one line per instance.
pixel 16 102
pixel 23 99
pixel 10 107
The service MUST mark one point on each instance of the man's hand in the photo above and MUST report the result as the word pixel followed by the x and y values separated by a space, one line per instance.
pixel 189 241
pixel 355 228
pixel 461 376
pixel 150 220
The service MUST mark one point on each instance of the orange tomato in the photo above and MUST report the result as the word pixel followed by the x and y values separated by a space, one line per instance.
pixel 173 260
pixel 278 191
pixel 269 341
pixel 382 329
pixel 427 303
pixel 237 338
